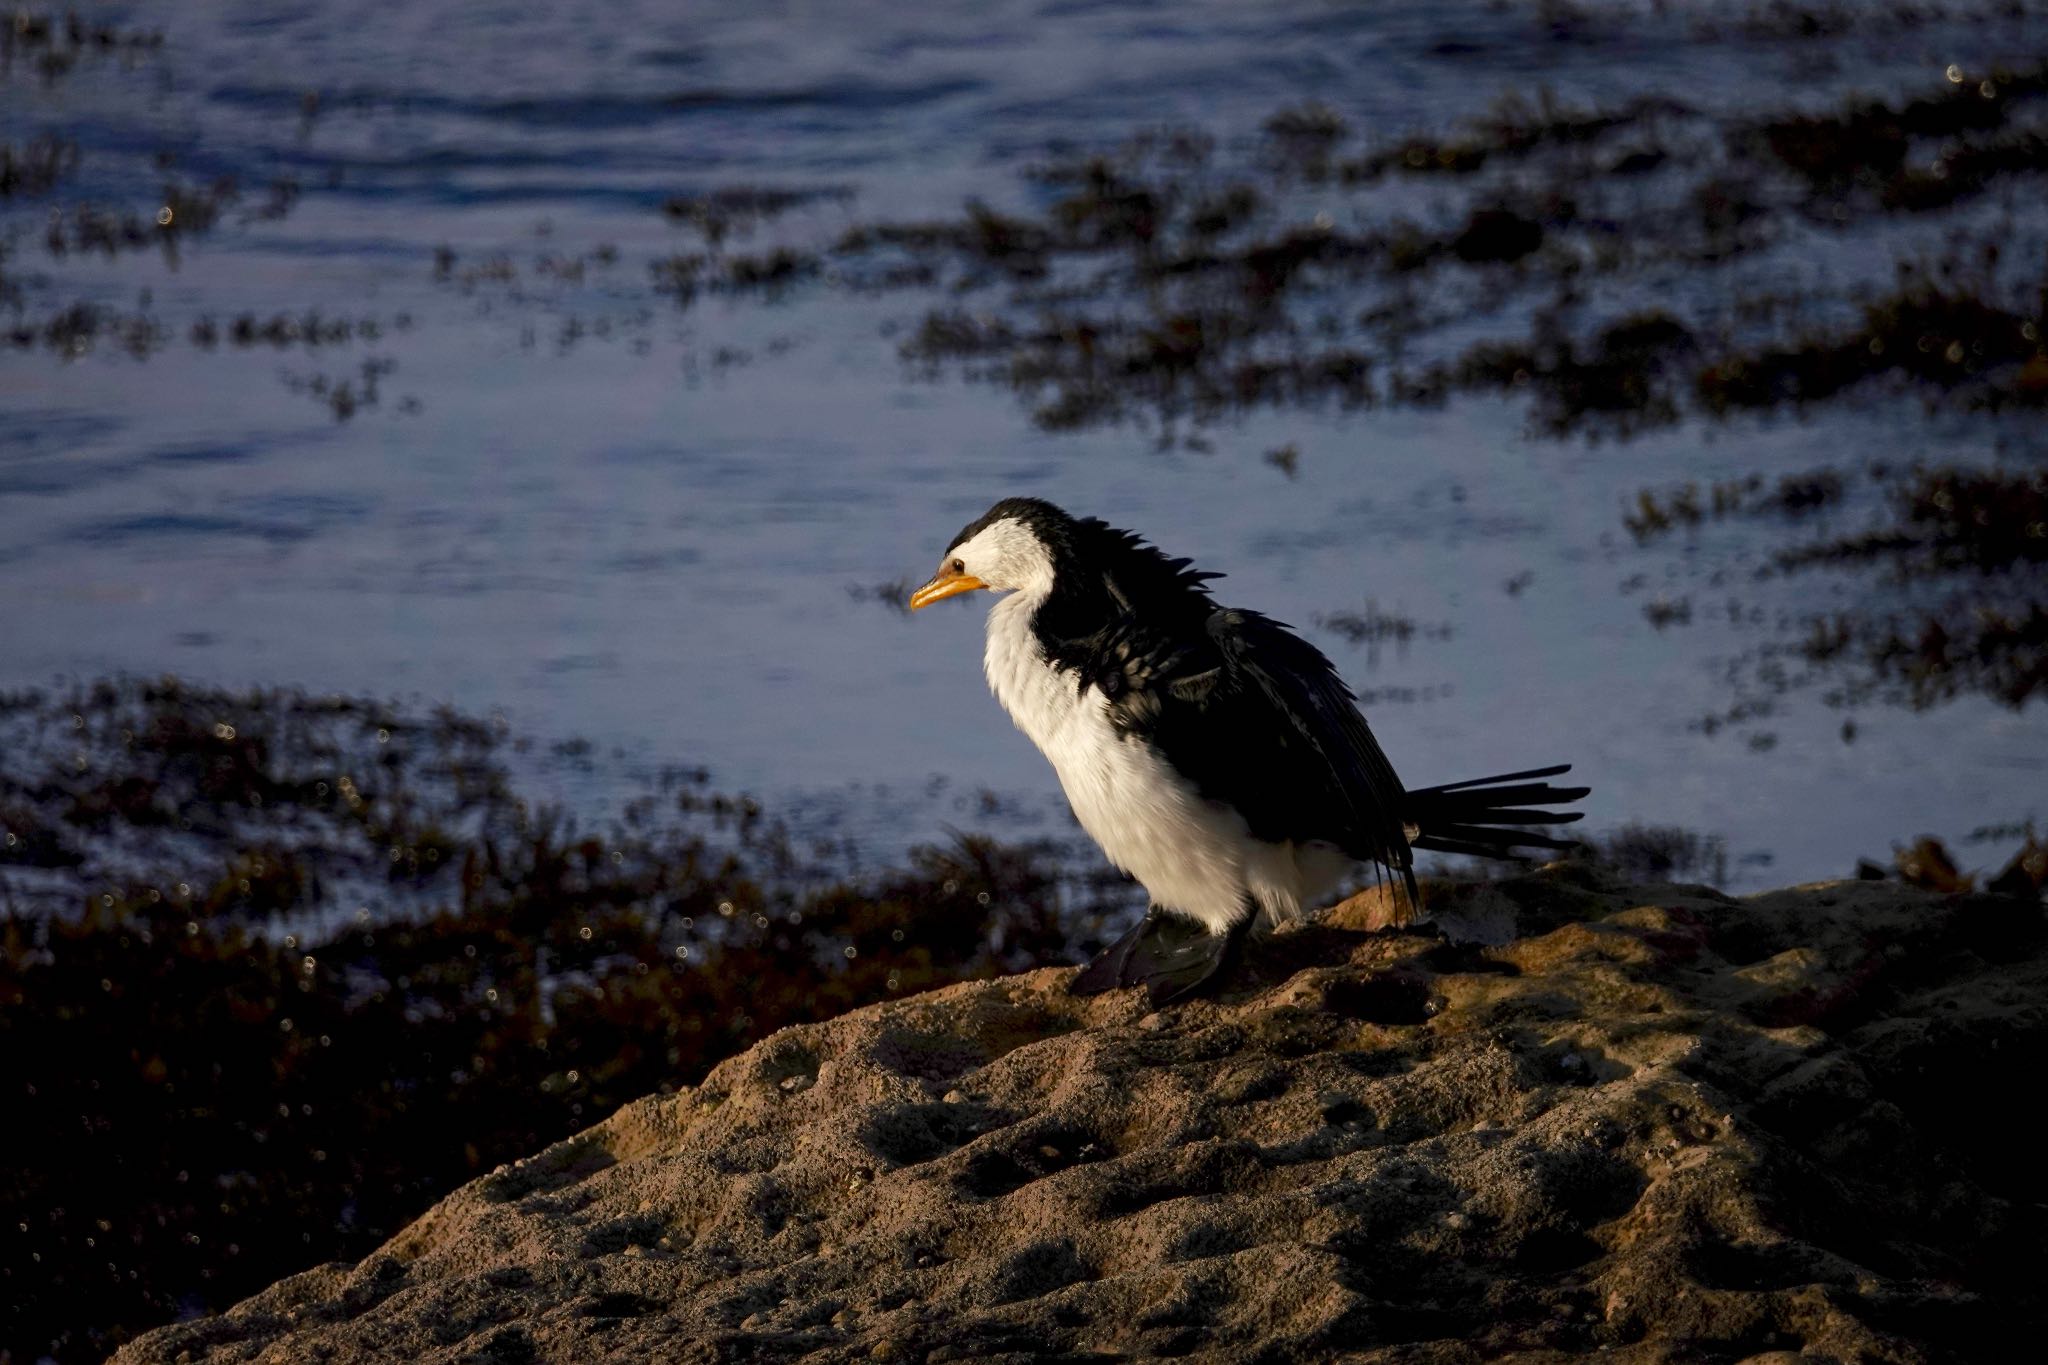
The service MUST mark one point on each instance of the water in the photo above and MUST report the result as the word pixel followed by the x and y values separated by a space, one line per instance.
pixel 561 498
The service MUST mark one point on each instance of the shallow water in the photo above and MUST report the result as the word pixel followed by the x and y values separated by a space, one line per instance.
pixel 557 496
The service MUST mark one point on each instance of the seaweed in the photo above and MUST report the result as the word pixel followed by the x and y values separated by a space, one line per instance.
pixel 279 970
pixel 1962 608
pixel 738 210
pixel 37 167
pixel 56 44
pixel 1865 145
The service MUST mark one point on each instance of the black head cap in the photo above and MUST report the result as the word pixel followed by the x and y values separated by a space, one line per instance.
pixel 1046 521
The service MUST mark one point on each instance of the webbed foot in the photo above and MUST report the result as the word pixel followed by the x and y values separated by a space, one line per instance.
pixel 1167 953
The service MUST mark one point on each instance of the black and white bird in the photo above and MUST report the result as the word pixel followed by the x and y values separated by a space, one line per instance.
pixel 1213 754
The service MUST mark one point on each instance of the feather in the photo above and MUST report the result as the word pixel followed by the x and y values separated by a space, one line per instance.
pixel 1213 752
pixel 1258 720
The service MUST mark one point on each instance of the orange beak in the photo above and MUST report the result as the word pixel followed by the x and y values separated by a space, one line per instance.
pixel 945 583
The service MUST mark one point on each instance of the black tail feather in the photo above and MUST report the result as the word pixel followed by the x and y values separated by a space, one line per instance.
pixel 1480 816
pixel 1497 779
pixel 1494 834
pixel 1521 794
pixel 1491 843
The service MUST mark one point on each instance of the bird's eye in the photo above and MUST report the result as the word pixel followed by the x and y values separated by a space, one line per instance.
pixel 959 567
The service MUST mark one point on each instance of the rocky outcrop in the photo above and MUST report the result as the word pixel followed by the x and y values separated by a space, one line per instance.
pixel 1653 1121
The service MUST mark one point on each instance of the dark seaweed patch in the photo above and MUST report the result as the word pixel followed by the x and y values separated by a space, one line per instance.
pixel 1865 145
pixel 1788 497
pixel 36 167
pixel 1376 629
pixel 1619 377
pixel 1516 127
pixel 1164 288
pixel 1661 853
pixel 282 331
pixel 181 211
pixel 82 327
pixel 682 277
pixel 1939 334
pixel 347 393
pixel 737 210
pixel 1979 539
pixel 54 44
pixel 204 1095
pixel 1957 553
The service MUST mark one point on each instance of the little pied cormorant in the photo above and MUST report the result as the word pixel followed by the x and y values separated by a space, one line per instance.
pixel 1213 754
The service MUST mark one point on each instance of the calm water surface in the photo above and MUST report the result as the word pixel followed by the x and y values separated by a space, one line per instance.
pixel 577 505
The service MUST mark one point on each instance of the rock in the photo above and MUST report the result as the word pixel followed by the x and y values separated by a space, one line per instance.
pixel 1657 1122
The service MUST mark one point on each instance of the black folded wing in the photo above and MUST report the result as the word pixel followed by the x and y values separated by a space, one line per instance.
pixel 1256 718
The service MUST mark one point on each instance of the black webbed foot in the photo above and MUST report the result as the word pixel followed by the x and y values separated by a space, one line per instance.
pixel 1167 953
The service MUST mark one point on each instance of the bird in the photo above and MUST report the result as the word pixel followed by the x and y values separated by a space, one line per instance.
pixel 1214 754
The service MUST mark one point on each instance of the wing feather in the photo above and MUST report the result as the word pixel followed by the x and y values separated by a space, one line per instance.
pixel 1258 719
pixel 1299 683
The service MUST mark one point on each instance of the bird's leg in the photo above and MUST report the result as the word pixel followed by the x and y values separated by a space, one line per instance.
pixel 1106 972
pixel 1182 956
pixel 1167 953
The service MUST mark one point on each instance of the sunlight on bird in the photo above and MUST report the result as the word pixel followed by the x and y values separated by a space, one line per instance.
pixel 1214 754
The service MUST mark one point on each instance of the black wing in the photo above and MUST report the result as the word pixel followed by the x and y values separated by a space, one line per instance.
pixel 1257 718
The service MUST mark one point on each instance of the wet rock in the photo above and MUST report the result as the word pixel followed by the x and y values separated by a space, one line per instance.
pixel 1656 1121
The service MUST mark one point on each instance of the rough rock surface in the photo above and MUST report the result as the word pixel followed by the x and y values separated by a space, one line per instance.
pixel 1657 1122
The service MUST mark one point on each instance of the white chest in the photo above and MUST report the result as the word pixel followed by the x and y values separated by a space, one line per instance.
pixel 1067 726
pixel 1191 854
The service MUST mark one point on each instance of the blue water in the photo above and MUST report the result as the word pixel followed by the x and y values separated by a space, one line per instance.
pixel 575 505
